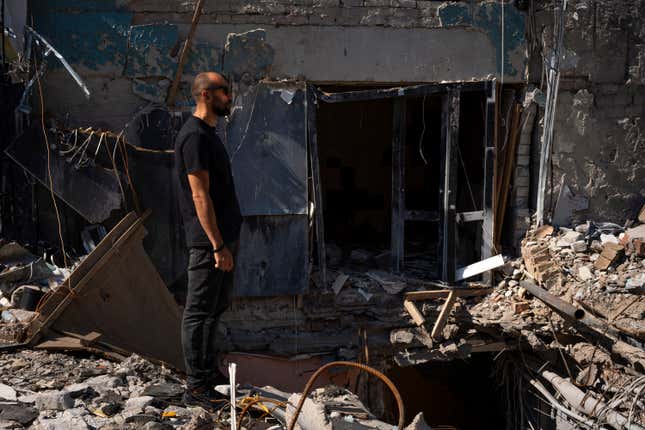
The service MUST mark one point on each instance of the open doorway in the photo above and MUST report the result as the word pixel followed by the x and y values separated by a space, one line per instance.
pixel 380 204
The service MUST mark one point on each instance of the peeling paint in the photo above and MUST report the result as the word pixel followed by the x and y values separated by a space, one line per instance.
pixel 487 16
pixel 150 49
pixel 152 91
pixel 455 14
pixel 248 54
pixel 93 39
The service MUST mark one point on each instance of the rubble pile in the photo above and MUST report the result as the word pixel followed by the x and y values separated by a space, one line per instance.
pixel 42 390
pixel 24 279
pixel 598 270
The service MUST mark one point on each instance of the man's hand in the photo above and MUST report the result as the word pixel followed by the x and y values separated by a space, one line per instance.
pixel 224 260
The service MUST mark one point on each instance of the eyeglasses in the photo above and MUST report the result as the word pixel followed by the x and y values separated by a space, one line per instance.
pixel 225 89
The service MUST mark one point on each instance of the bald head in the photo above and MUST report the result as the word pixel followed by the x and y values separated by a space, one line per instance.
pixel 205 80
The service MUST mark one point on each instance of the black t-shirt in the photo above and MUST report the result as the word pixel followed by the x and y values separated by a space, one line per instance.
pixel 198 147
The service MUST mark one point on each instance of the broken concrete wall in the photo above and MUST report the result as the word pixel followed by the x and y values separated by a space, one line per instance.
pixel 598 135
pixel 127 51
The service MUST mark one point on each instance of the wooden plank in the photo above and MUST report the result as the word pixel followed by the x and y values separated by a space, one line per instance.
pixel 479 267
pixel 437 329
pixel 184 53
pixel 339 283
pixel 312 139
pixel 450 138
pixel 414 312
pixel 489 170
pixel 398 185
pixel 507 174
pixel 416 215
pixel 439 294
pixel 57 301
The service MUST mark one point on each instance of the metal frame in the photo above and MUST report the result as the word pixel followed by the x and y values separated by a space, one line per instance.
pixel 448 216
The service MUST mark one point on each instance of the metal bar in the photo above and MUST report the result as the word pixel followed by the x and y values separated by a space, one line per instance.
pixel 4 53
pixel 450 138
pixel 386 93
pixel 439 294
pixel 429 216
pixel 470 216
pixel 184 53
pixel 489 171
pixel 398 185
pixel 553 82
pixel 556 303
pixel 64 62
pixel 312 139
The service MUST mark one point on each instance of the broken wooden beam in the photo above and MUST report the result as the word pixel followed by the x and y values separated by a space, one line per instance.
pixel 437 294
pixel 443 316
pixel 414 312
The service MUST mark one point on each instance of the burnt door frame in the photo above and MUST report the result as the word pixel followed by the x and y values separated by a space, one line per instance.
pixel 447 216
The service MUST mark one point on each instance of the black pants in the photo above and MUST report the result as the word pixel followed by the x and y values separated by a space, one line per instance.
pixel 209 295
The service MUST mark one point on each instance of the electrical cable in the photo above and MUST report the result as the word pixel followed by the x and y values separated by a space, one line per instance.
pixel 423 131
pixel 254 402
pixel 49 170
pixel 374 372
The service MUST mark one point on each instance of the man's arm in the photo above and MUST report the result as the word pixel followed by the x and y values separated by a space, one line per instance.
pixel 199 187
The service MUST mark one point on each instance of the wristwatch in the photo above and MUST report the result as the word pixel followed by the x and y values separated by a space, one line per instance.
pixel 216 250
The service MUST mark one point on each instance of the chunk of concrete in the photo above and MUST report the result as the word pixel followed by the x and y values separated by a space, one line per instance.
pixel 568 238
pixel 18 412
pixel 312 416
pixel 608 238
pixel 584 273
pixel 579 246
pixel 138 403
pixel 7 393
pixel 418 423
pixel 54 401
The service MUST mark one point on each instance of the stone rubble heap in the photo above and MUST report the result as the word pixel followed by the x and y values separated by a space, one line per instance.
pixel 48 391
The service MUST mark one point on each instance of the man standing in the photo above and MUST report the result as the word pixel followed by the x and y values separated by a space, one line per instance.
pixel 212 220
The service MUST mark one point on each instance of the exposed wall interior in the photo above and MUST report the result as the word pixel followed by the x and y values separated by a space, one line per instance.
pixel 455 394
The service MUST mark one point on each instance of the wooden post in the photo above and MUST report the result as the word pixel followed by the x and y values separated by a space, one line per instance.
pixel 184 53
pixel 312 139
pixel 398 184
pixel 449 139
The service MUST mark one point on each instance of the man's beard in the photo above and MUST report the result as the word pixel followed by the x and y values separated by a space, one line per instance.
pixel 222 110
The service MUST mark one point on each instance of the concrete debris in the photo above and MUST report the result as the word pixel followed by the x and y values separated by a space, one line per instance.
pixel 7 393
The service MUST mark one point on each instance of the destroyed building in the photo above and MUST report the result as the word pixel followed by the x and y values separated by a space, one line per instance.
pixel 449 192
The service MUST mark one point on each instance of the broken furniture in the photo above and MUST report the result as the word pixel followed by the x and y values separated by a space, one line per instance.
pixel 114 303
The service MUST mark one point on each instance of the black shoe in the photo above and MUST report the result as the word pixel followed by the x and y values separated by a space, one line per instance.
pixel 204 398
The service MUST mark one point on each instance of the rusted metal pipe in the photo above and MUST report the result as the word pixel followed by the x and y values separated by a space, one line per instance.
pixel 556 303
pixel 371 371
pixel 587 403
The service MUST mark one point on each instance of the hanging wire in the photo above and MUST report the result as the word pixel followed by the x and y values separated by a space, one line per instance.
pixel 423 130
